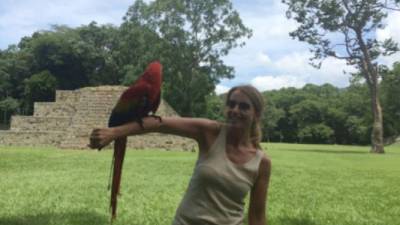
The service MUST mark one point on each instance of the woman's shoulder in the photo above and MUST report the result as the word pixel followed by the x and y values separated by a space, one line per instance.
pixel 211 126
pixel 265 161
pixel 208 130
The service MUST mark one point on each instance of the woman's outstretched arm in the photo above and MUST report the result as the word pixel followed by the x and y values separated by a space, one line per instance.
pixel 195 128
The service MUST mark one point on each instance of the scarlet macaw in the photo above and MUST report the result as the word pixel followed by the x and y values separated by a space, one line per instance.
pixel 136 102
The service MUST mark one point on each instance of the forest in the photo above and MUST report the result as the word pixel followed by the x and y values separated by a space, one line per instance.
pixel 65 58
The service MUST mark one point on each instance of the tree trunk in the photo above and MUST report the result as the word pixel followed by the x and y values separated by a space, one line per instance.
pixel 371 75
pixel 377 128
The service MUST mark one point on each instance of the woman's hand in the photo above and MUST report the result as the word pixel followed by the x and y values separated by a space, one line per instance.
pixel 101 137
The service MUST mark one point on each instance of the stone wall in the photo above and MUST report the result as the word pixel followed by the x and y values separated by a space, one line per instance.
pixel 67 122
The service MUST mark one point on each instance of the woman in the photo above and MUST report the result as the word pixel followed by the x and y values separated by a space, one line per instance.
pixel 230 163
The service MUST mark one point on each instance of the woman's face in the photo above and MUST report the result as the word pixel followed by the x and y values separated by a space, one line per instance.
pixel 239 110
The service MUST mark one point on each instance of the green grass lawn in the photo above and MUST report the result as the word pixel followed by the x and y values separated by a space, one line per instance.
pixel 310 185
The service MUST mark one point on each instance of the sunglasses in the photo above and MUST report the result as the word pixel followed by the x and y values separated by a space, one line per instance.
pixel 243 106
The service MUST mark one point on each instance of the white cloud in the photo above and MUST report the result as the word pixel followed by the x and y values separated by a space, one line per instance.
pixel 390 60
pixel 295 62
pixel 293 70
pixel 268 27
pixel 21 18
pixel 383 34
pixel 331 71
pixel 270 35
pixel 220 89
pixel 263 58
pixel 264 83
pixel 392 30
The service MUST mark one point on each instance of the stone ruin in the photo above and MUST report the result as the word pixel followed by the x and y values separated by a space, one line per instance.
pixel 67 122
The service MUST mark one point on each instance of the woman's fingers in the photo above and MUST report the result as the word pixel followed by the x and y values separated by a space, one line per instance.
pixel 95 132
pixel 95 138
pixel 99 137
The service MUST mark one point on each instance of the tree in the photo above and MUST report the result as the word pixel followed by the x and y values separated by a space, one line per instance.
pixel 286 127
pixel 316 133
pixel 100 55
pixel 215 107
pixel 62 58
pixel 390 86
pixel 354 102
pixel 15 66
pixel 40 87
pixel 5 79
pixel 8 106
pixel 270 120
pixel 195 35
pixel 345 29
pixel 75 57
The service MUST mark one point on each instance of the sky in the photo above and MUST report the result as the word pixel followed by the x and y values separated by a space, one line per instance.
pixel 270 60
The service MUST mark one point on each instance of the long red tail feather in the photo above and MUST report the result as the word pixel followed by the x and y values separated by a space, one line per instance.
pixel 119 154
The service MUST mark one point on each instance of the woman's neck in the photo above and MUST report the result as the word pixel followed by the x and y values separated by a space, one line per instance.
pixel 238 136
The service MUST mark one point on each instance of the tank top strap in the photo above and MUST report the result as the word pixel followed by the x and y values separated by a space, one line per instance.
pixel 255 163
pixel 218 147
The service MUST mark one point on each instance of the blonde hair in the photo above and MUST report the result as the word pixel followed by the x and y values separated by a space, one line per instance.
pixel 257 102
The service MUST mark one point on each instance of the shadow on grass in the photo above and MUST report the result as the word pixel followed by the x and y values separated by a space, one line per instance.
pixel 294 221
pixel 70 218
pixel 326 151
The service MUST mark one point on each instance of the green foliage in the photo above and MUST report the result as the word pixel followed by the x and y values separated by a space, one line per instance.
pixel 310 184
pixel 73 58
pixel 132 73
pixel 325 114
pixel 390 100
pixel 357 129
pixel 136 47
pixel 307 111
pixel 100 56
pixel 318 114
pixel 8 106
pixel 76 57
pixel 342 29
pixel 316 133
pixel 272 115
pixel 194 36
pixel 59 53
pixel 357 105
pixel 215 107
pixel 40 87
pixel 15 66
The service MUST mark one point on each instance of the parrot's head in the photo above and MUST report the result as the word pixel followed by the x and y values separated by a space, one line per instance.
pixel 153 74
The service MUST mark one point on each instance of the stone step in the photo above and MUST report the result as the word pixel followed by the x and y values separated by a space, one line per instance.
pixel 39 123
pixel 53 109
pixel 31 138
pixel 66 96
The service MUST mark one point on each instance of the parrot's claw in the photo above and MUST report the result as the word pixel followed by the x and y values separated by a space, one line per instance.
pixel 140 122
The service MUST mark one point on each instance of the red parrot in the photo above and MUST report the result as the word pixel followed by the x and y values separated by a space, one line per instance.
pixel 141 98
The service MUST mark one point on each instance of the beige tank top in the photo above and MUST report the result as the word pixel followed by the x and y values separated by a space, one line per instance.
pixel 218 188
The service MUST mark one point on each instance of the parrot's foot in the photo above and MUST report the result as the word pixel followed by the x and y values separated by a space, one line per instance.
pixel 157 117
pixel 140 122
